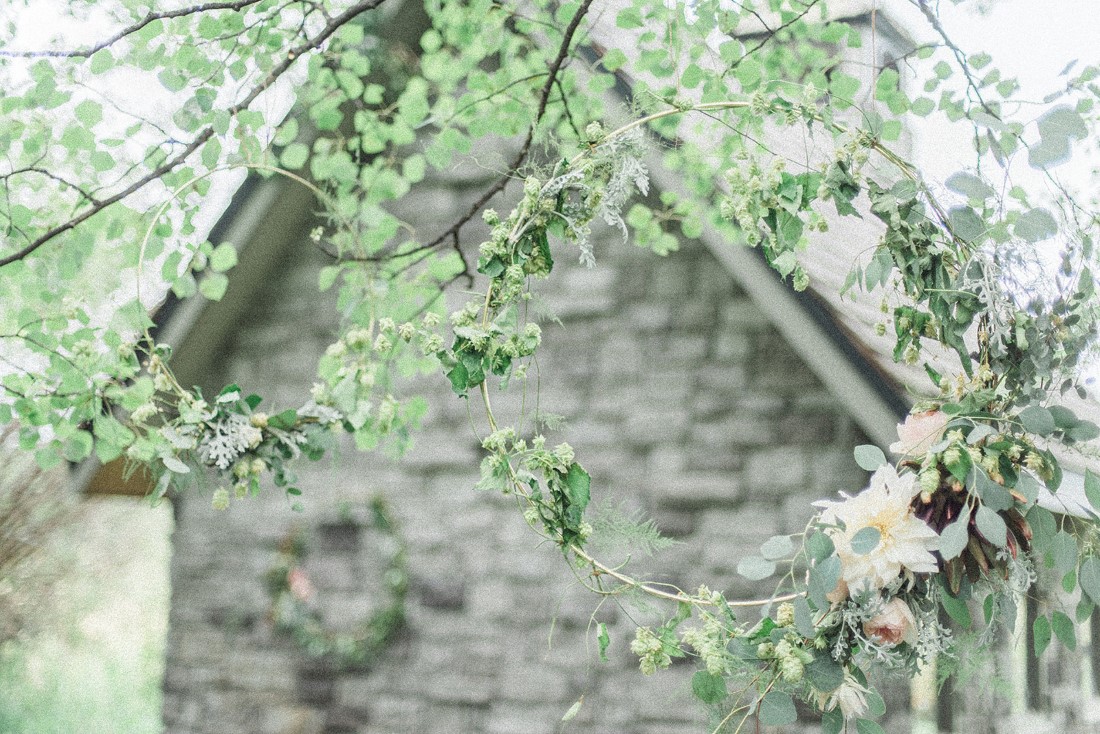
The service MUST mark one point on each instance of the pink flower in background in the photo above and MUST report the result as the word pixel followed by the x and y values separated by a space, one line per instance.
pixel 301 588
pixel 893 625
pixel 920 432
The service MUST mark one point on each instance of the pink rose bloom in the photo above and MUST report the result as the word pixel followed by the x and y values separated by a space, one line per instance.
pixel 299 584
pixel 893 625
pixel 920 432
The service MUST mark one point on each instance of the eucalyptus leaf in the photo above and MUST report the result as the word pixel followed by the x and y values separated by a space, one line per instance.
pixel 1038 420
pixel 777 709
pixel 1088 576
pixel 824 577
pixel 755 568
pixel 869 457
pixel 954 537
pixel 1064 629
pixel 866 540
pixel 1041 635
pixel 991 526
pixel 993 495
pixel 819 546
pixel 777 547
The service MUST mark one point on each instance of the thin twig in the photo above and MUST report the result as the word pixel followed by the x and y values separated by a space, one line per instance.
pixel 521 156
pixel 291 56
pixel 151 17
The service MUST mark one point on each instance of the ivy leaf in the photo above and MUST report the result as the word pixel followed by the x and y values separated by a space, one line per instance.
pixel 969 186
pixel 869 457
pixel 1084 431
pixel 777 709
pixel 1035 225
pixel 708 688
pixel 966 223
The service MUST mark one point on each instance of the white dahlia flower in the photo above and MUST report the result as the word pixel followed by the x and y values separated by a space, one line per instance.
pixel 905 542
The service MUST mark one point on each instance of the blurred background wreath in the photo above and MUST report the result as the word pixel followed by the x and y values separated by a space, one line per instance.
pixel 296 606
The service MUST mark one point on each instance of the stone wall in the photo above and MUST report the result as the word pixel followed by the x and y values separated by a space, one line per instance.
pixel 682 402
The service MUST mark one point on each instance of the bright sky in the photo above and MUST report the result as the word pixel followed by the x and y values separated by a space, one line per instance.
pixel 1031 40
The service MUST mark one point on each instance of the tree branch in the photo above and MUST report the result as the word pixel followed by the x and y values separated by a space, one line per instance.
pixel 521 156
pixel 960 56
pixel 128 30
pixel 291 56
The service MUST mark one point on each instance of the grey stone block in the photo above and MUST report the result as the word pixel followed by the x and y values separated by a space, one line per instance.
pixel 695 491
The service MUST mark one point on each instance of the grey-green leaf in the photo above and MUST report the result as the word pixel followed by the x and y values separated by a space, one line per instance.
pixel 777 709
pixel 866 540
pixel 869 457
pixel 776 547
pixel 1036 225
pixel 823 579
pixel 1037 420
pixel 969 186
pixel 1089 578
pixel 991 526
pixel 1092 489
pixel 755 568
pixel 954 537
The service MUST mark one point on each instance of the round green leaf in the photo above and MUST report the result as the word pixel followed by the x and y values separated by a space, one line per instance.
pixel 869 457
pixel 755 568
pixel 866 540
pixel 777 709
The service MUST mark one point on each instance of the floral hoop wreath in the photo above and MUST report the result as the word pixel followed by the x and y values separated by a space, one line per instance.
pixel 295 609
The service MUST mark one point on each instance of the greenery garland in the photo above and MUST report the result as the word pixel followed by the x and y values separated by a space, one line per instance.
pixel 296 610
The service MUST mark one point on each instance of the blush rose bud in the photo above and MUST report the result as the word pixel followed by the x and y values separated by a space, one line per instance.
pixel 893 625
